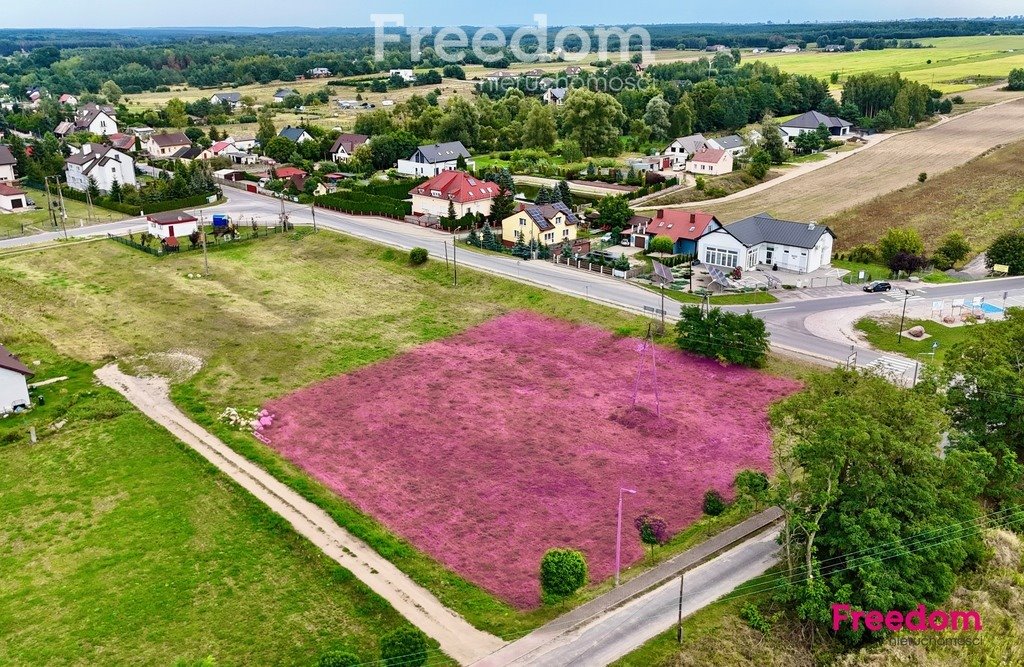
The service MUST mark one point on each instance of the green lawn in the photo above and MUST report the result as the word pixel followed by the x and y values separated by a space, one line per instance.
pixel 119 545
pixel 883 334
pixel 721 299
pixel 879 272
pixel 39 220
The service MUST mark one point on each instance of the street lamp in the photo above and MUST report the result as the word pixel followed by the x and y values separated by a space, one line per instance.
pixel 618 534
pixel 903 317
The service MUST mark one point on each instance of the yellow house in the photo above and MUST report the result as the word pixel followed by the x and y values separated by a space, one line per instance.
pixel 548 224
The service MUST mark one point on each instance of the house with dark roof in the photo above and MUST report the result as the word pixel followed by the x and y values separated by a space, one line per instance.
pixel 555 96
pixel 97 119
pixel 7 165
pixel 549 224
pixel 296 134
pixel 764 241
pixel 346 144
pixel 13 382
pixel 682 148
pixel 282 94
pixel 809 122
pixel 233 100
pixel 102 164
pixel 432 159
pixel 465 193
pixel 165 145
pixel 172 224
pixel 732 144
pixel 684 228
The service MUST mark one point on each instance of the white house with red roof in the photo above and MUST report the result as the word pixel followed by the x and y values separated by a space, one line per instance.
pixel 710 162
pixel 683 227
pixel 13 382
pixel 177 224
pixel 12 199
pixel 466 193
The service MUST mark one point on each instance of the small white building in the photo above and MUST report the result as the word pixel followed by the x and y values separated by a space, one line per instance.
pixel 104 164
pixel 732 144
pixel 555 96
pixel 432 159
pixel 12 199
pixel 13 382
pixel 296 134
pixel 763 241
pixel 710 162
pixel 233 100
pixel 407 74
pixel 176 224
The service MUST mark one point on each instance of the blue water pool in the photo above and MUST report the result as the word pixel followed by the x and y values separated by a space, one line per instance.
pixel 991 308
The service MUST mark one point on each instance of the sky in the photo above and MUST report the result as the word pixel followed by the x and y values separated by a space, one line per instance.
pixel 328 13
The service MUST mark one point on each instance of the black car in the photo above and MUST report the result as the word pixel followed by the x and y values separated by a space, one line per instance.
pixel 877 286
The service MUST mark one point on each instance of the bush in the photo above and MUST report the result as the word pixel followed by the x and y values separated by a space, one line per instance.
pixel 751 484
pixel 864 254
pixel 1007 249
pixel 941 262
pixel 418 256
pixel 338 659
pixel 922 177
pixel 405 647
pixel 958 99
pixel 728 337
pixel 714 504
pixel 754 618
pixel 562 573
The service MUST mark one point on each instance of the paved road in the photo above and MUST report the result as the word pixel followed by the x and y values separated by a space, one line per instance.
pixel 626 628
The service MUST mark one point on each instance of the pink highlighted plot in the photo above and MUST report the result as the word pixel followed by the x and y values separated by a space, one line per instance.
pixel 490 447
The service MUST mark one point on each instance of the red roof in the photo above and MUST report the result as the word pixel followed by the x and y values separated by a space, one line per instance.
pixel 711 155
pixel 288 172
pixel 12 363
pixel 10 191
pixel 457 186
pixel 220 146
pixel 676 224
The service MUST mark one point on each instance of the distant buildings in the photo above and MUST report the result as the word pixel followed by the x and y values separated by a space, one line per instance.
pixel 432 159
pixel 166 145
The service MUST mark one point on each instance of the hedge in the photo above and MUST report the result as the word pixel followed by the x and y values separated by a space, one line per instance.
pixel 351 201
pixel 146 208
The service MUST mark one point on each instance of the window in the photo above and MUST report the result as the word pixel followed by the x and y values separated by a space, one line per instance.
pixel 721 257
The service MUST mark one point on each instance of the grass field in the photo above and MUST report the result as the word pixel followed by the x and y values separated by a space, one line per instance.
pixel 15 224
pixel 890 165
pixel 980 199
pixel 883 334
pixel 119 545
pixel 956 63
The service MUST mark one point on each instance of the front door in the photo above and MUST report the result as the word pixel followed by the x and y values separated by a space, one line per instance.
pixel 768 255
pixel 170 230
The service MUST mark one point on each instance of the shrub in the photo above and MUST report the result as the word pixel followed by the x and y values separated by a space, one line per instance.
pixel 751 484
pixel 958 99
pixel 1007 249
pixel 653 530
pixel 661 244
pixel 405 647
pixel 338 659
pixel 922 177
pixel 954 247
pixel 418 256
pixel 864 254
pixel 754 618
pixel 728 337
pixel 941 262
pixel 714 504
pixel 562 573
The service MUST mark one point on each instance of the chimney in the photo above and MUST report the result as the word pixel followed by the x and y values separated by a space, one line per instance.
pixel 693 218
pixel 661 213
pixel 810 225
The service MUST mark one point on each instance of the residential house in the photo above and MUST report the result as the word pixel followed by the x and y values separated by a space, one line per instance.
pixel 651 163
pixel 555 96
pixel 762 240
pixel 833 48
pixel 432 159
pixel 464 192
pixel 296 134
pixel 533 73
pixel 64 128
pixel 407 74
pixel 7 165
pixel 34 95
pixel 104 164
pixel 288 173
pixel 233 100
pixel 684 228
pixel 710 162
pixel 219 147
pixel 346 144
pixel 809 122
pixel 166 145
pixel 100 120
pixel 682 148
pixel 172 224
pixel 67 99
pixel 244 142
pixel 318 73
pixel 12 198
pixel 239 157
pixel 791 48
pixel 142 132
pixel 282 94
pixel 122 142
pixel 573 70
pixel 549 224
pixel 13 382
pixel 732 144
pixel 192 153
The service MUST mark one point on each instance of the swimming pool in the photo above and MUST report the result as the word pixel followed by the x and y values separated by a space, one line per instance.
pixel 991 308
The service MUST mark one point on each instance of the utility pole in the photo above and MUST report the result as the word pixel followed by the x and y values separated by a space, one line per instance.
pixel 63 210
pixel 679 624
pixel 49 203
pixel 312 210
pixel 455 261
pixel 202 236
pixel 283 217
pixel 903 317
pixel 88 201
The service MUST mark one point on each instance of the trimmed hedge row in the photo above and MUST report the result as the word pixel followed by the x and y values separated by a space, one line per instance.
pixel 363 202
pixel 146 208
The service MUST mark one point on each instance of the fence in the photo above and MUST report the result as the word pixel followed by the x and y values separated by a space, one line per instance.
pixel 586 265
pixel 212 242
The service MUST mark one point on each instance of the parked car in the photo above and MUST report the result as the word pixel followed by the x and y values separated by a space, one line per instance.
pixel 624 242
pixel 607 238
pixel 877 286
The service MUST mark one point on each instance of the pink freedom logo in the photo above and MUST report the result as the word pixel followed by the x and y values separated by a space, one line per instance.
pixel 917 620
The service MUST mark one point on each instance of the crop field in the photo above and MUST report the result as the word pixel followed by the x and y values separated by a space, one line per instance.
pixel 980 199
pixel 487 448
pixel 952 65
pixel 890 165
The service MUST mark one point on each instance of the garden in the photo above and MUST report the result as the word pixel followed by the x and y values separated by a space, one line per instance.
pixel 536 441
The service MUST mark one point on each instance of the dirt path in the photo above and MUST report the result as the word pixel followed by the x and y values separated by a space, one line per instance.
pixel 879 168
pixel 457 638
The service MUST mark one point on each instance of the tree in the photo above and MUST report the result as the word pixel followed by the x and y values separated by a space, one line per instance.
pixel 460 162
pixel 112 92
pixel 564 193
pixel 653 530
pixel 1016 79
pixel 418 256
pixel 899 240
pixel 615 214
pixel 683 117
pixel 279 149
pixel 562 573
pixel 504 203
pixel 266 130
pixel 908 263
pixel 728 337
pixel 540 131
pixel 452 215
pixel 771 141
pixel 195 134
pixel 860 481
pixel 662 244
pixel 115 190
pixel 984 383
pixel 543 195
pixel 375 122
pixel 760 163
pixel 1007 249
pixel 657 118
pixel 714 504
pixel 339 659
pixel 954 247
pixel 175 113
pixel 405 647
pixel 488 240
pixel 593 120
pixel 93 189
pixel 751 485
pixel 453 71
